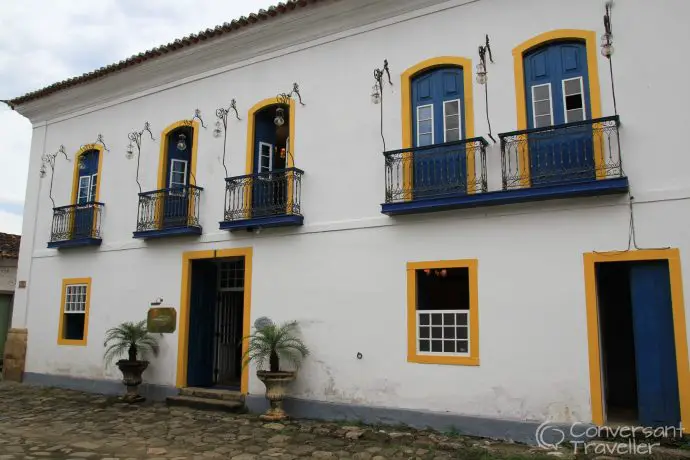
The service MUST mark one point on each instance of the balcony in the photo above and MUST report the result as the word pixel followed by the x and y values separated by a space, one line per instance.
pixel 269 199
pixel 435 177
pixel 169 212
pixel 76 225
pixel 569 160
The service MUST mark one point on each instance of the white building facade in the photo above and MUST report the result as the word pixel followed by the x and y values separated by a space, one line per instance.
pixel 453 281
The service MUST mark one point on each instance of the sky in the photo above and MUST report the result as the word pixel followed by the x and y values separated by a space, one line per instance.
pixel 45 41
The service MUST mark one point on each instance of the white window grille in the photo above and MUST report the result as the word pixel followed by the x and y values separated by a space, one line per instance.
pixel 443 332
pixel 75 299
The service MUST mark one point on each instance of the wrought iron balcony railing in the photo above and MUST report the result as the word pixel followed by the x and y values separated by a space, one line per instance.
pixel 263 195
pixel 168 208
pixel 76 222
pixel 436 171
pixel 562 154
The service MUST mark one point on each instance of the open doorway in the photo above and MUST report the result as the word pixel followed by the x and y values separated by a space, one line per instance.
pixel 271 151
pixel 638 356
pixel 216 318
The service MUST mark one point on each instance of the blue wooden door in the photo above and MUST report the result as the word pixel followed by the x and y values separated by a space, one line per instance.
pixel 86 195
pixel 557 92
pixel 202 310
pixel 176 199
pixel 438 114
pixel 264 152
pixel 655 352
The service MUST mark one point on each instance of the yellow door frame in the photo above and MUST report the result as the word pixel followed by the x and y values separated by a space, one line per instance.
pixel 679 328
pixel 183 328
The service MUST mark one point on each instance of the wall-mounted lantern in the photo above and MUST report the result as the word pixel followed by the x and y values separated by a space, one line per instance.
pixel 222 126
pixel 482 78
pixel 377 93
pixel 135 141
pixel 607 49
pixel 49 159
pixel 607 38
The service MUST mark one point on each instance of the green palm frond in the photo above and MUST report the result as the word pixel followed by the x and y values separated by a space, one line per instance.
pixel 129 338
pixel 274 343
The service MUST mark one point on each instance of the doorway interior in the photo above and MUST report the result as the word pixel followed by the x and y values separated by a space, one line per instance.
pixel 639 373
pixel 216 319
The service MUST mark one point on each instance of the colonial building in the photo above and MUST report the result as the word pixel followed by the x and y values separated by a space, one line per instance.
pixel 479 239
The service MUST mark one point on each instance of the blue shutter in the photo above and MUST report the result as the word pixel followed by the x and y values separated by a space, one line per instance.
pixel 443 170
pixel 558 156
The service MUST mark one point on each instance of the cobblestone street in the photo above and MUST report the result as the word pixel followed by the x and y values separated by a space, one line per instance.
pixel 45 423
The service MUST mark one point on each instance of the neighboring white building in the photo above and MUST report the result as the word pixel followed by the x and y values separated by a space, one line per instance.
pixel 9 253
pixel 492 319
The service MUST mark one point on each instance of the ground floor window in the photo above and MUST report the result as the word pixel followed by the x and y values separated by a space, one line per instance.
pixel 442 312
pixel 74 311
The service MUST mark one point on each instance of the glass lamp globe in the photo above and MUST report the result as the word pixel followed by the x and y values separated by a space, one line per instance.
pixel 217 131
pixel 279 120
pixel 481 74
pixel 181 144
pixel 607 50
pixel 42 171
pixel 130 152
pixel 375 95
pixel 606 45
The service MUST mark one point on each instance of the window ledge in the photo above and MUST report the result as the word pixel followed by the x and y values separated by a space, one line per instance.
pixel 77 343
pixel 285 220
pixel 166 232
pixel 74 243
pixel 451 360
pixel 502 197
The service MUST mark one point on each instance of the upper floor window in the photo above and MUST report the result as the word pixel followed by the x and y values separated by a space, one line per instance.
pixel 437 106
pixel 87 176
pixel 556 84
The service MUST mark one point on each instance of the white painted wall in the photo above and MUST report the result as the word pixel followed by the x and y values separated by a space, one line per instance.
pixel 342 275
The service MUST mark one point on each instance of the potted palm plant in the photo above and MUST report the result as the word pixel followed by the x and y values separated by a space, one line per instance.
pixel 134 340
pixel 270 344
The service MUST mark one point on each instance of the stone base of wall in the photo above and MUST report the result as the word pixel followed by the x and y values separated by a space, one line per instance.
pixel 14 358
pixel 525 431
pixel 106 387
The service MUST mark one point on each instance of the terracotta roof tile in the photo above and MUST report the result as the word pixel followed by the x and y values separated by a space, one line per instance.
pixel 190 40
pixel 9 246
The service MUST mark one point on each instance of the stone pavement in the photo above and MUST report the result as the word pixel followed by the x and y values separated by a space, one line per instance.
pixel 48 423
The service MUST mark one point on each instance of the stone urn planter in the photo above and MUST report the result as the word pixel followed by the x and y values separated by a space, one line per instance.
pixel 132 377
pixel 276 387
pixel 132 339
pixel 271 343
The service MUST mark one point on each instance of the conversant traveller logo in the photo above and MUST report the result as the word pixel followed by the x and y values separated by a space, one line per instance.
pixel 585 438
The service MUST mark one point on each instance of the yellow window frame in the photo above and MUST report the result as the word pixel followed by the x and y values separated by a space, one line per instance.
pixel 412 355
pixel 87 307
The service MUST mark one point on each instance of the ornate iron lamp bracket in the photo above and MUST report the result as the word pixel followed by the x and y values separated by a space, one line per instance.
pixel 284 98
